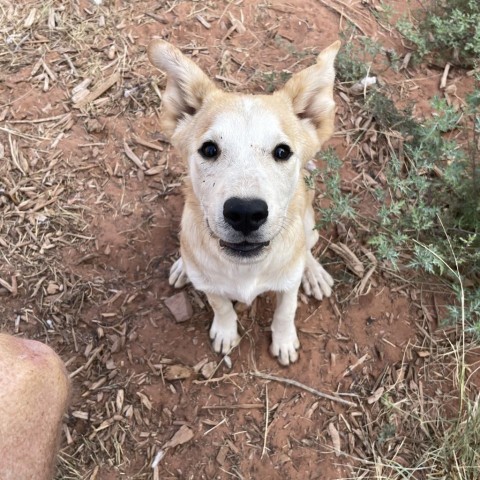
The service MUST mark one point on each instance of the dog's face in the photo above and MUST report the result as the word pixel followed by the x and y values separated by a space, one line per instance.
pixel 245 152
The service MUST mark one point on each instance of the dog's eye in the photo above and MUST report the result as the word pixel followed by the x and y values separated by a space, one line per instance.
pixel 209 150
pixel 282 152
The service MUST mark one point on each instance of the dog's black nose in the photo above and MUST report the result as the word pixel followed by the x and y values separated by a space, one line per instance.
pixel 245 215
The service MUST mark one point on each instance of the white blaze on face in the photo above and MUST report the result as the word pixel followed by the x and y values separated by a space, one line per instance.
pixel 246 134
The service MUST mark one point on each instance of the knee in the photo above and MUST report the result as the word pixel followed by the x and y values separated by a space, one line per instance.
pixel 28 366
pixel 34 395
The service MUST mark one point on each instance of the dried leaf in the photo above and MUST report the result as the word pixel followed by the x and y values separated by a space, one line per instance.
pixel 155 170
pixel 145 400
pixel 30 19
pixel 376 395
pixel 120 399
pixel 132 156
pixel 332 430
pixel 183 435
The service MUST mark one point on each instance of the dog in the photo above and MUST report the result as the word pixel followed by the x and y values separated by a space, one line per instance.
pixel 248 221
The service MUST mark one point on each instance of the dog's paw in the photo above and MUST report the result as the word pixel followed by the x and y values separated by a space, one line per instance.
pixel 178 277
pixel 285 347
pixel 316 281
pixel 224 337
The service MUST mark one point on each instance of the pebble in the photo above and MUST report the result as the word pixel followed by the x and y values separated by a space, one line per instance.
pixel 180 307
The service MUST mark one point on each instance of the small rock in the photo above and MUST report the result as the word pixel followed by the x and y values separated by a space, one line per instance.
pixel 92 125
pixel 176 372
pixel 209 369
pixel 180 307
pixel 52 288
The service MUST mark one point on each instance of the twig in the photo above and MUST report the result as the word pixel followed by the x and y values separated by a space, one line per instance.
pixel 6 285
pixel 238 406
pixel 361 360
pixel 264 448
pixel 311 390
pixel 343 14
pixel 443 81
pixel 225 376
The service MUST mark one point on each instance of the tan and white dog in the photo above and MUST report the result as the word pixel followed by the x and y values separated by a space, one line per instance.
pixel 248 221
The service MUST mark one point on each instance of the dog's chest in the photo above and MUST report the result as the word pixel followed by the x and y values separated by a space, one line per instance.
pixel 245 283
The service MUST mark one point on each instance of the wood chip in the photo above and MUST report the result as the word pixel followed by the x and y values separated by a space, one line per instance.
pixel 222 455
pixel 119 400
pixel 6 285
pixel 155 170
pixel 183 435
pixel 30 19
pixel 132 156
pixel 375 397
pixel 145 400
pixel 100 89
pixel 147 144
pixel 335 436
pixel 443 81
pixel 206 24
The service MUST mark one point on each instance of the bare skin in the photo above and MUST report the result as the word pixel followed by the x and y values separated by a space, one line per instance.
pixel 34 395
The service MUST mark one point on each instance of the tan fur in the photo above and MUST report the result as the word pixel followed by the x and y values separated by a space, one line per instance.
pixel 246 129
pixel 34 394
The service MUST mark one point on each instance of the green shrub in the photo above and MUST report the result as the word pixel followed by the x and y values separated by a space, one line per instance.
pixel 430 210
pixel 448 29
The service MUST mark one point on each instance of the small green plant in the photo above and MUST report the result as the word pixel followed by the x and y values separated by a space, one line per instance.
pixel 361 57
pixel 341 205
pixel 273 80
pixel 450 30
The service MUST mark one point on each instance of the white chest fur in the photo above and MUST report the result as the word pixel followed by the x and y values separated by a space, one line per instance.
pixel 243 283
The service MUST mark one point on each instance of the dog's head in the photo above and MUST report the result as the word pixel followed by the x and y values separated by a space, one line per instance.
pixel 245 152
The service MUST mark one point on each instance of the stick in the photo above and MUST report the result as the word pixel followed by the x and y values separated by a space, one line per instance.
pixel 343 14
pixel 6 285
pixel 100 89
pixel 239 406
pixel 350 369
pixel 264 449
pixel 311 390
pixel 443 81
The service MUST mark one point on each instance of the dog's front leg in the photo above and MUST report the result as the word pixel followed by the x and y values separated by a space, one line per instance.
pixel 223 331
pixel 284 334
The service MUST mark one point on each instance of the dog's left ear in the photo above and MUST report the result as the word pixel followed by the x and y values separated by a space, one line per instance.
pixel 187 85
pixel 311 92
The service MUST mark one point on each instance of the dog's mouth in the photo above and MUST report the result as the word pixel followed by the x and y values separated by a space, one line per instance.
pixel 244 249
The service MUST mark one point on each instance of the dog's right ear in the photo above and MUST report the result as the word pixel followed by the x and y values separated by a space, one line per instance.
pixel 187 85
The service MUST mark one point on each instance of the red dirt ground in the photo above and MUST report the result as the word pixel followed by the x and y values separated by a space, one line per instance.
pixel 133 220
